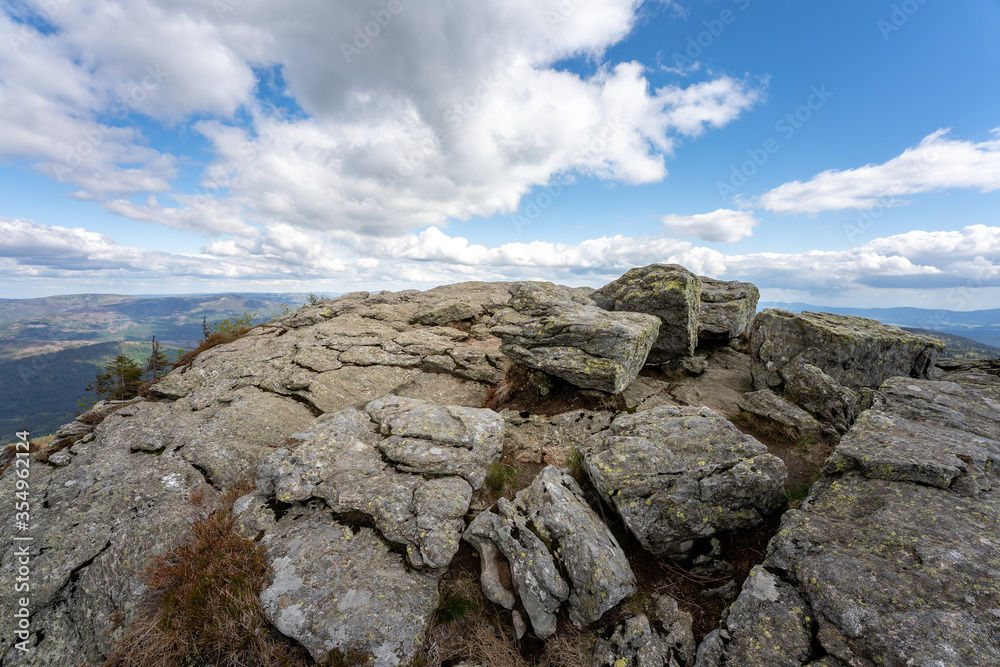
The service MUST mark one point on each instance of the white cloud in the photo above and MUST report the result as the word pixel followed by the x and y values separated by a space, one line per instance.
pixel 937 163
pixel 433 118
pixel 724 225
pixel 966 260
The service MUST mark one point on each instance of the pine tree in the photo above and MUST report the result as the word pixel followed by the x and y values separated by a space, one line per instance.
pixel 157 364
pixel 125 377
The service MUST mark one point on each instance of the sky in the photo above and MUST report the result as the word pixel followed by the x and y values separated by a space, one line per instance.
pixel 835 153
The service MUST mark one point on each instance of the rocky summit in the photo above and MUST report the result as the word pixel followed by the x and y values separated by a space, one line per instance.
pixel 645 474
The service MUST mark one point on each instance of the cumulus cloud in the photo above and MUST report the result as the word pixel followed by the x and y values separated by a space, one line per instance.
pixel 399 120
pixel 724 225
pixel 937 163
pixel 968 259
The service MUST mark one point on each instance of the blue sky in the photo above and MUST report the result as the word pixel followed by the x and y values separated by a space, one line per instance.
pixel 833 153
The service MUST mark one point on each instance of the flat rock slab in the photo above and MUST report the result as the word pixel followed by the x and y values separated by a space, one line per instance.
pixel 336 588
pixel 854 351
pixel 677 474
pixel 561 332
pixel 558 551
pixel 893 558
pixel 668 291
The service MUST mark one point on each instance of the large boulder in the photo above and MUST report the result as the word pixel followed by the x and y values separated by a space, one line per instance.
pixel 726 310
pixel 854 351
pixel 558 551
pixel 668 291
pixel 678 474
pixel 891 560
pixel 560 331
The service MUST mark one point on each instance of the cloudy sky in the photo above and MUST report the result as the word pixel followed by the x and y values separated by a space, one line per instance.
pixel 838 153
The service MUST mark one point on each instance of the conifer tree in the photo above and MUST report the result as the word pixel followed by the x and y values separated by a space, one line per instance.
pixel 157 364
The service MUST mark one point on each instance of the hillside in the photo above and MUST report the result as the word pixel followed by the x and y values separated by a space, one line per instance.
pixel 40 393
pixel 65 321
pixel 51 348
pixel 959 347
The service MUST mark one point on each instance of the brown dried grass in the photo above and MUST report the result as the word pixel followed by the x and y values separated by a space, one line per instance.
pixel 203 607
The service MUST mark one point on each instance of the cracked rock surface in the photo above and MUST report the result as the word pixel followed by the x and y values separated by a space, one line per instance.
pixel 116 493
pixel 340 462
pixel 855 352
pixel 561 332
pixel 893 558
pixel 558 551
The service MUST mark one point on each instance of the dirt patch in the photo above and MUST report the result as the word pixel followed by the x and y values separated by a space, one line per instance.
pixel 803 460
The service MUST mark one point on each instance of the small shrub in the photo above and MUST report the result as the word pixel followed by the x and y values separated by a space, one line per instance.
pixel 575 464
pixel 313 299
pixel 501 476
pixel 215 334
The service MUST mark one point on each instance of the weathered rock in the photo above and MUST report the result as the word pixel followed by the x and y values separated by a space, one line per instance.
pixel 726 309
pixel 720 387
pixel 890 559
pixel 548 328
pixel 436 440
pixel 769 624
pixel 339 460
pixel 668 643
pixel 93 526
pixel 769 407
pixel 677 474
pixel 854 351
pixel 930 433
pixel 818 393
pixel 599 574
pixel 336 588
pixel 536 578
pixel 546 531
pixel 551 440
pixel 668 291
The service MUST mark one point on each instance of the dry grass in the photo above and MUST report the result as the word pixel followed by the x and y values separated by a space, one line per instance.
pixel 203 608
pixel 215 339
pixel 568 648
